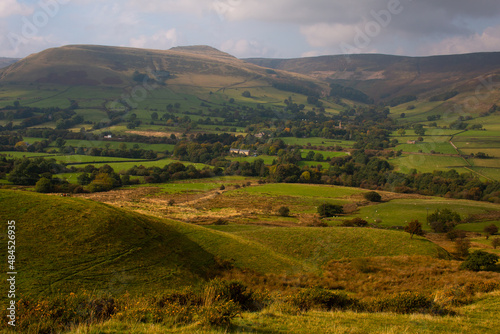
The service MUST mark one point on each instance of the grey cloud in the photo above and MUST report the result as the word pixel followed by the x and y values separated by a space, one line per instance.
pixel 418 16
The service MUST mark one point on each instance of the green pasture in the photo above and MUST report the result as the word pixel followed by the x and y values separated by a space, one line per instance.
pixel 326 154
pixel 302 190
pixel 317 141
pixel 427 146
pixel 427 163
pixel 268 159
pixel 477 227
pixel 400 212
pixel 492 173
pixel 123 166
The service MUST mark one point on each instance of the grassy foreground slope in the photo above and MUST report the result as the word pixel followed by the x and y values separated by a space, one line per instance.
pixel 68 244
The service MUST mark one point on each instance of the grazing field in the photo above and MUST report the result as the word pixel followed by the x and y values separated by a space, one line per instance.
pixel 303 190
pixel 428 163
pixel 399 212
pixel 123 166
pixel 106 144
pixel 315 141
pixel 68 159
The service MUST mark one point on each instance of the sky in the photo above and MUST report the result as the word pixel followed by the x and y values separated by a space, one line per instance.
pixel 255 28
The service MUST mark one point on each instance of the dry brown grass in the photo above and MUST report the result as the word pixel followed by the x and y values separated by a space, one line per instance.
pixel 375 277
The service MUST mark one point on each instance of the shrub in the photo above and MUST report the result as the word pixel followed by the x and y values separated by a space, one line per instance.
pixel 59 312
pixel 495 243
pixel 284 211
pixel 222 187
pixel 43 186
pixel 372 196
pixel 479 260
pixel 489 230
pixel 442 226
pixel 218 313
pixel 323 299
pixel 246 94
pixel 235 291
pixel 220 221
pixel 404 303
pixel 329 210
pixel 171 202
pixel 462 247
pixel 355 222
pixel 452 235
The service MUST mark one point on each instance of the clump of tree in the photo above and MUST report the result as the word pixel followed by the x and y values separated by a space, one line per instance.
pixel 27 172
pixel 480 260
pixel 349 93
pixel 414 228
pixel 246 94
pixel 443 220
pixel 443 96
pixel 372 196
pixel 355 222
pixel 402 99
pixel 99 179
pixel 330 210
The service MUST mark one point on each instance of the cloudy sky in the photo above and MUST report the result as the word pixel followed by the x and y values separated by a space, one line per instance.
pixel 255 28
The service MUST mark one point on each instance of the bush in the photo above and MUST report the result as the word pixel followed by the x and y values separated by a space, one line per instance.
pixel 58 313
pixel 372 196
pixel 495 243
pixel 319 298
pixel 479 260
pixel 452 235
pixel 442 226
pixel 235 291
pixel 246 94
pixel 218 313
pixel 462 247
pixel 220 221
pixel 43 186
pixel 355 222
pixel 284 211
pixel 330 210
pixel 404 303
pixel 489 230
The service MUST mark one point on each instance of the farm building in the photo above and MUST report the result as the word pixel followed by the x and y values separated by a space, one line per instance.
pixel 239 151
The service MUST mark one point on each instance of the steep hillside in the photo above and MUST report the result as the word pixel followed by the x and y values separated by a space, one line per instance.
pixel 67 244
pixel 92 65
pixel 385 76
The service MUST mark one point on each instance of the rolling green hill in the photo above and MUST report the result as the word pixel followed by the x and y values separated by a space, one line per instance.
pixel 63 244
pixel 91 65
